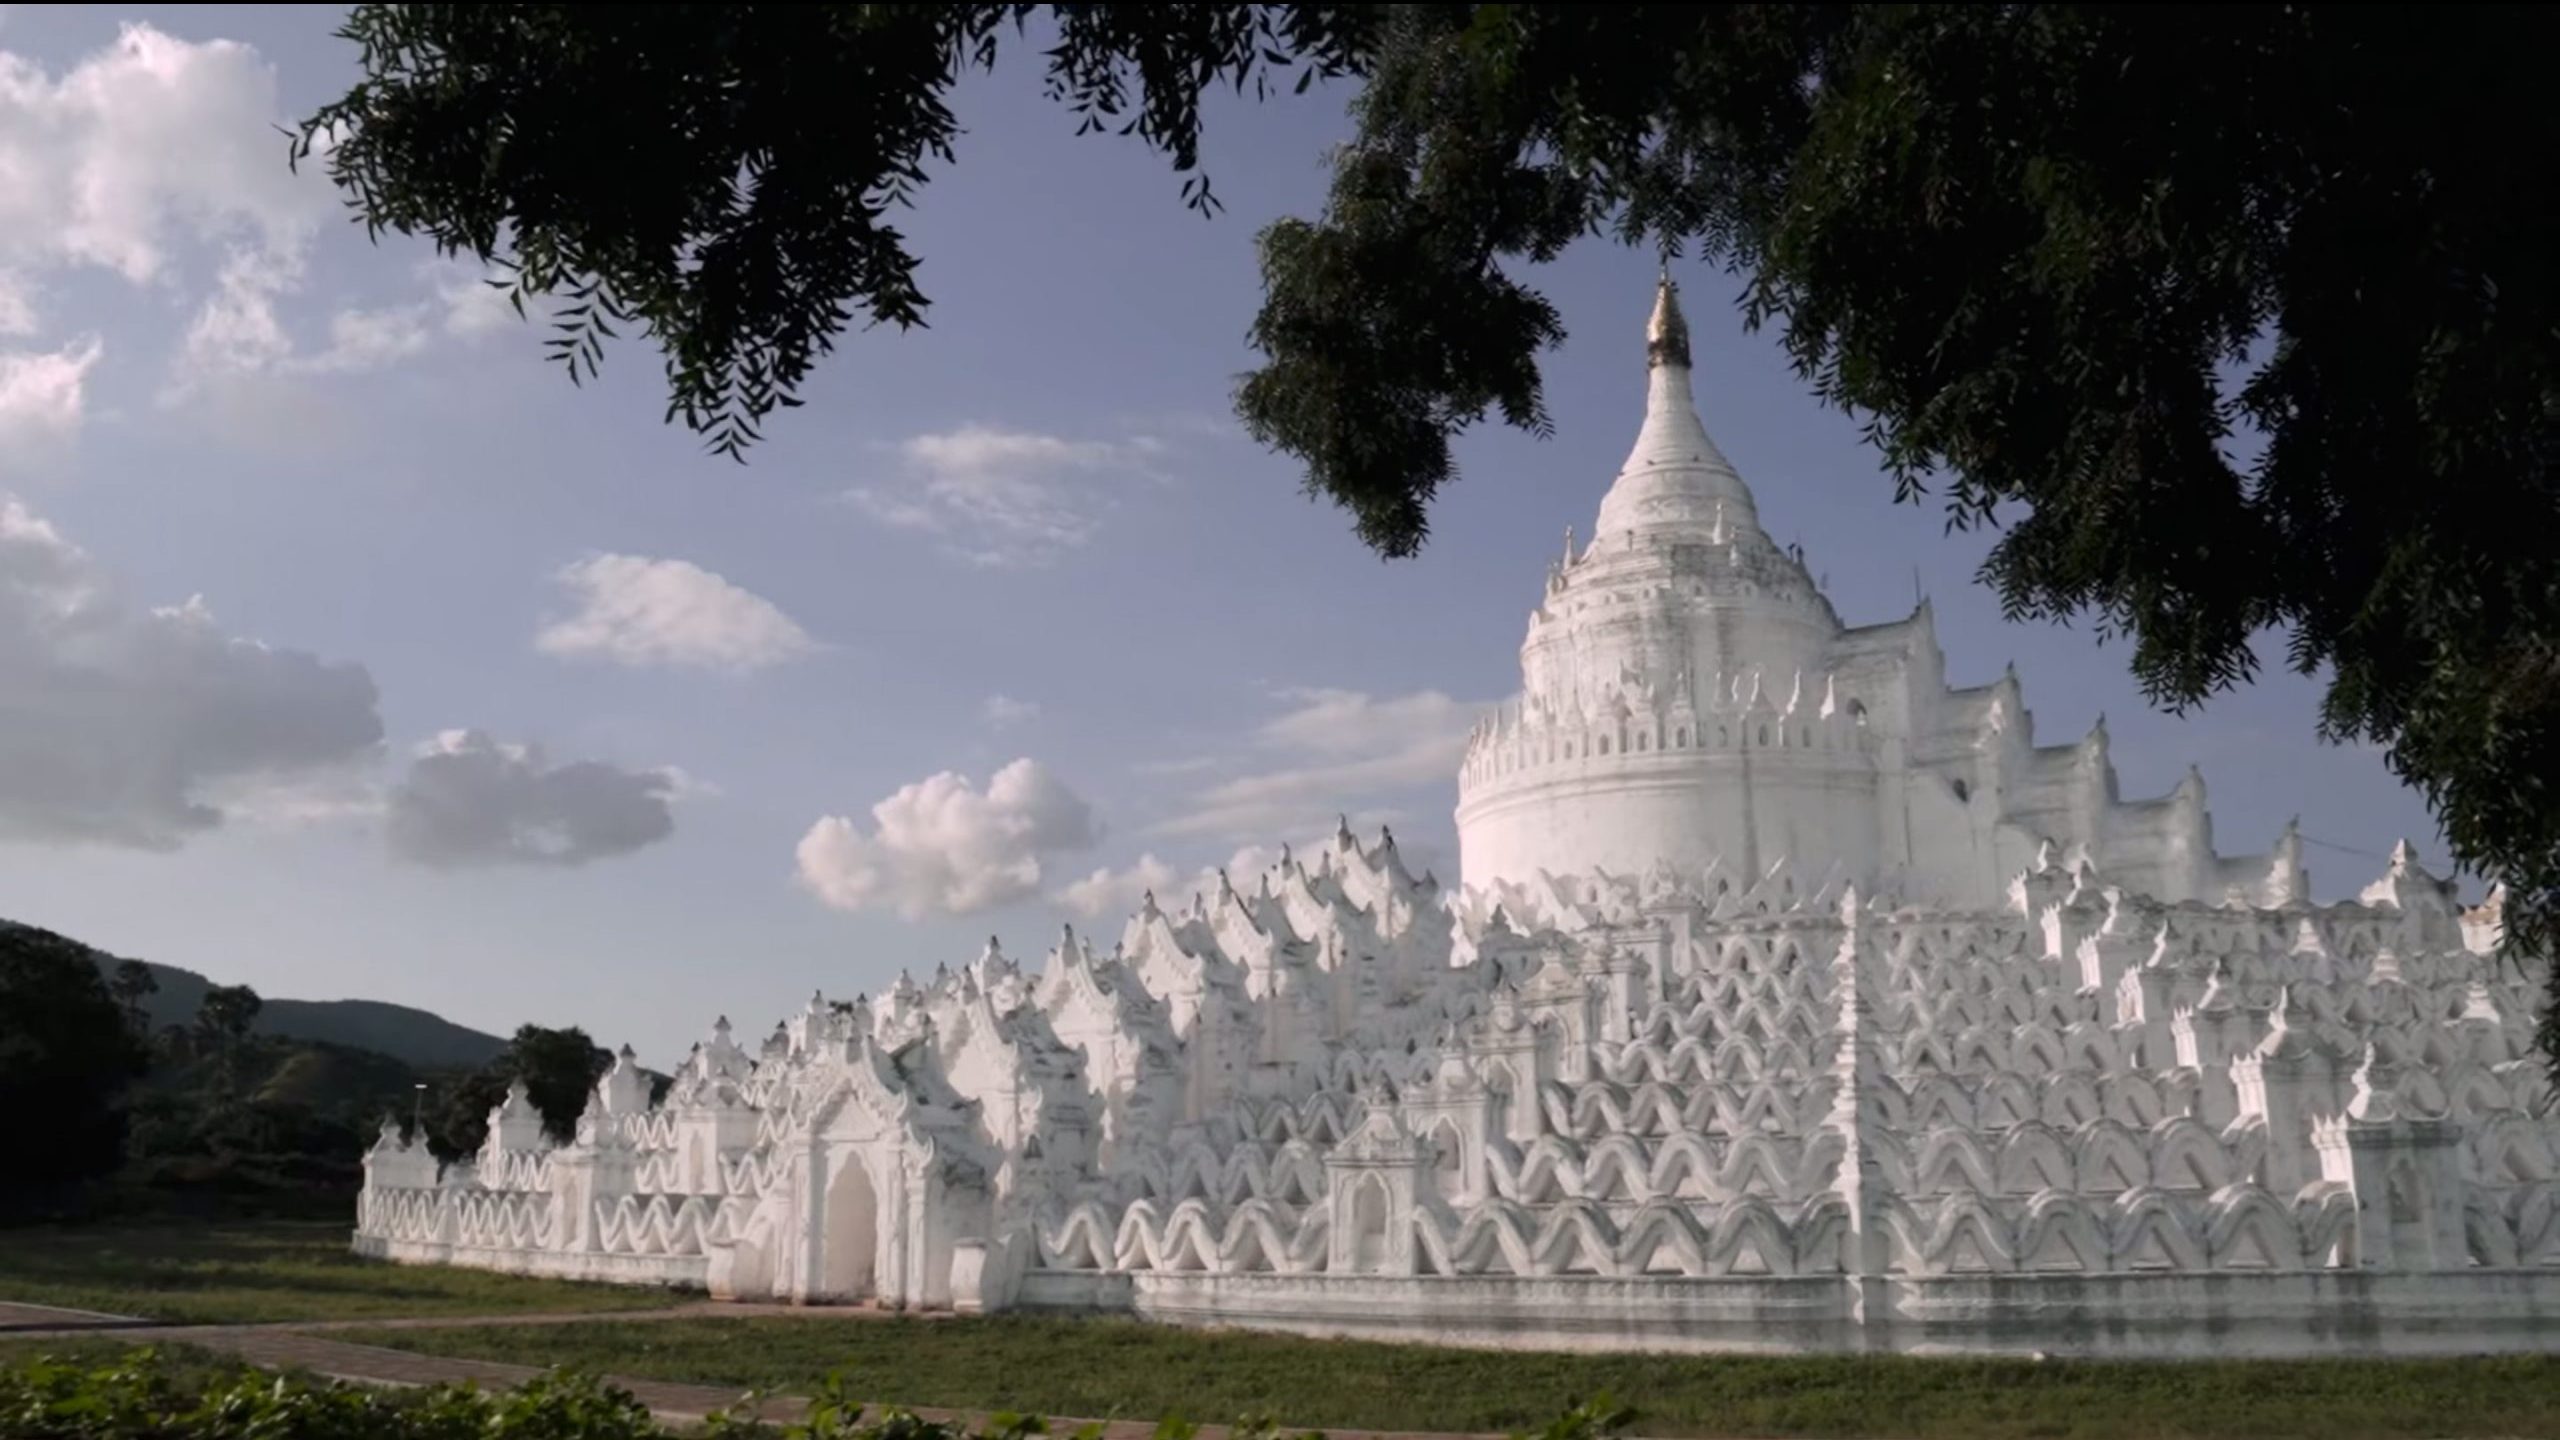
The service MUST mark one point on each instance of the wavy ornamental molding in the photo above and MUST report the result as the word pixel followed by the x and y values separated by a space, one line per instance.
pixel 1599 1099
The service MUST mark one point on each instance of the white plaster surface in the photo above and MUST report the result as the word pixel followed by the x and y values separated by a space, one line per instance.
pixel 1793 1001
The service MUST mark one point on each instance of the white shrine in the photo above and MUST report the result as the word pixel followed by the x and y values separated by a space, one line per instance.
pixel 1793 1000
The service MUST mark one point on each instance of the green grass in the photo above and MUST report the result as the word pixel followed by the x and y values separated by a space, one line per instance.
pixel 246 1271
pixel 1109 1369
pixel 97 1350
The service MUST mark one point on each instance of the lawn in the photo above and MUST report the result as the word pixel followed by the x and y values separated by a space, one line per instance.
pixel 242 1271
pixel 1112 1369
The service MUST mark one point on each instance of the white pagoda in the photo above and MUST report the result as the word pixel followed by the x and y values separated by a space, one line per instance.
pixel 1792 1000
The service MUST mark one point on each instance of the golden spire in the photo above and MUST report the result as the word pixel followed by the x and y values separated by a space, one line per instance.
pixel 1666 335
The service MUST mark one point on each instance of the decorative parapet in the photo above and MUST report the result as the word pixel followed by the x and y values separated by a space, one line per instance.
pixel 1724 1089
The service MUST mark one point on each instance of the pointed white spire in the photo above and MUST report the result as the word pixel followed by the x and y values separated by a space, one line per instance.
pixel 1666 331
pixel 1675 476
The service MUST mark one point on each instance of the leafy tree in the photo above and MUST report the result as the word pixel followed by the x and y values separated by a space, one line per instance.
pixel 2238 321
pixel 559 1069
pixel 66 1058
pixel 723 177
pixel 227 1013
pixel 133 984
pixel 224 1018
pixel 457 1115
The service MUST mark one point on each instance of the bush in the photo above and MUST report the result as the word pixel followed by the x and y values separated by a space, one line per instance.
pixel 142 1397
pixel 146 1396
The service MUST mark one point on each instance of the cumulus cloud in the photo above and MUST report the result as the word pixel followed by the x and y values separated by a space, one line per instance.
pixel 155 151
pixel 44 394
pixel 1006 497
pixel 1003 711
pixel 141 727
pixel 634 610
pixel 1333 752
pixel 470 800
pixel 942 846
pixel 150 139
pixel 1108 894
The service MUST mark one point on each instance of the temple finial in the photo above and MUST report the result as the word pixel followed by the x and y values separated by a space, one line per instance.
pixel 1666 335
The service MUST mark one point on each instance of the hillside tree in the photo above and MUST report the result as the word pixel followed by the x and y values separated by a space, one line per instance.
pixel 2238 323
pixel 133 985
pixel 224 1018
pixel 66 1060
pixel 227 1013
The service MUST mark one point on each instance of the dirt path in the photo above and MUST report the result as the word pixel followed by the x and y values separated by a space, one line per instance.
pixel 17 1315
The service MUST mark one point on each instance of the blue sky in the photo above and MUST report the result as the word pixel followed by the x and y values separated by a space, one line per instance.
pixel 559 719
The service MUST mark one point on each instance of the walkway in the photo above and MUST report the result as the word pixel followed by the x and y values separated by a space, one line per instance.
pixel 306 1345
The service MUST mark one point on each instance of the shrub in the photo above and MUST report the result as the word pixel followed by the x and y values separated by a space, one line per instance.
pixel 143 1395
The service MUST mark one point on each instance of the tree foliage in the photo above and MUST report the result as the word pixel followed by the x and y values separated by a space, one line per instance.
pixel 66 1057
pixel 2238 322
pixel 725 178
pixel 559 1070
pixel 133 985
pixel 227 1014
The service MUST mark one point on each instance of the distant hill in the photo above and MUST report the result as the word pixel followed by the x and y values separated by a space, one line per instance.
pixel 413 1037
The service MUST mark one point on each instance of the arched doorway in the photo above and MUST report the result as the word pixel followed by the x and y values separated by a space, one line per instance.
pixel 1447 1161
pixel 849 1231
pixel 1369 1227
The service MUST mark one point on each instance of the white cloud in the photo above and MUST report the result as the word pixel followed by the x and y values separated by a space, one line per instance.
pixel 634 610
pixel 1002 712
pixel 470 305
pixel 1334 752
pixel 1108 894
pixel 147 140
pixel 471 800
pixel 351 791
pixel 941 846
pixel 370 339
pixel 1006 497
pixel 17 305
pixel 1330 754
pixel 146 151
pixel 461 306
pixel 141 727
pixel 44 394
pixel 236 330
